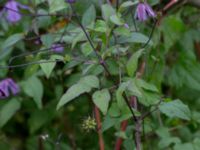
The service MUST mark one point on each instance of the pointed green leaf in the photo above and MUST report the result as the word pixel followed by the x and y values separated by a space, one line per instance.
pixel 119 95
pixel 116 20
pixel 107 11
pixel 133 63
pixel 89 16
pixel 8 110
pixel 57 5
pixel 101 100
pixel 176 109
pixel 33 87
pixel 48 68
pixel 91 81
pixel 73 92
pixel 13 39
pixel 85 85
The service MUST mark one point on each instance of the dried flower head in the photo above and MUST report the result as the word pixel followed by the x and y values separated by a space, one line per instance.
pixel 89 124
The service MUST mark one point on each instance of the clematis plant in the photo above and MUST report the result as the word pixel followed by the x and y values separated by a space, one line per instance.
pixel 11 9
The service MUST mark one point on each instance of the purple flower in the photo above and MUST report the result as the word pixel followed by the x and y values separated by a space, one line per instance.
pixel 144 11
pixel 126 25
pixel 12 11
pixel 57 48
pixel 70 1
pixel 7 87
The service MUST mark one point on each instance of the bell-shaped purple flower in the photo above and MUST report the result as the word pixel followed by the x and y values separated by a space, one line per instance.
pixel 8 87
pixel 57 48
pixel 70 1
pixel 144 11
pixel 11 9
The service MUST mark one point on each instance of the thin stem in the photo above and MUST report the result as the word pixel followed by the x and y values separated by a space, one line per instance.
pixel 138 125
pixel 150 112
pixel 40 143
pixel 134 22
pixel 151 34
pixel 119 141
pixel 28 64
pixel 101 61
pixel 130 108
pixel 117 4
pixel 170 4
pixel 30 53
pixel 98 120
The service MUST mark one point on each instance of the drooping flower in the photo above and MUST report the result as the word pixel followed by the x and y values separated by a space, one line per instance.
pixel 126 25
pixel 12 11
pixel 70 1
pixel 57 48
pixel 144 11
pixel 8 87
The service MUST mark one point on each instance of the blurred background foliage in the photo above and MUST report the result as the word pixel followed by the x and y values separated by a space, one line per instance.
pixel 31 121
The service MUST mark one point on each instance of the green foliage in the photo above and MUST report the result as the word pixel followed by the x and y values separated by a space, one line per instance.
pixel 124 64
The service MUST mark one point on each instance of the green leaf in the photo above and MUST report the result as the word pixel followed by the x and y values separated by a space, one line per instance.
pixel 121 30
pixel 114 110
pixel 33 87
pixel 119 95
pixel 173 28
pixel 86 49
pixel 101 26
pixel 133 63
pixel 165 142
pixel 116 20
pixel 47 40
pixel 127 4
pixel 101 100
pixel 13 39
pixel 133 88
pixel 147 86
pixel 57 5
pixel 85 85
pixel 39 118
pixel 185 146
pixel 48 68
pixel 129 144
pixel 90 81
pixel 135 37
pixel 175 109
pixel 79 37
pixel 8 110
pixel 73 92
pixel 89 16
pixel 108 123
pixel 149 98
pixel 107 11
